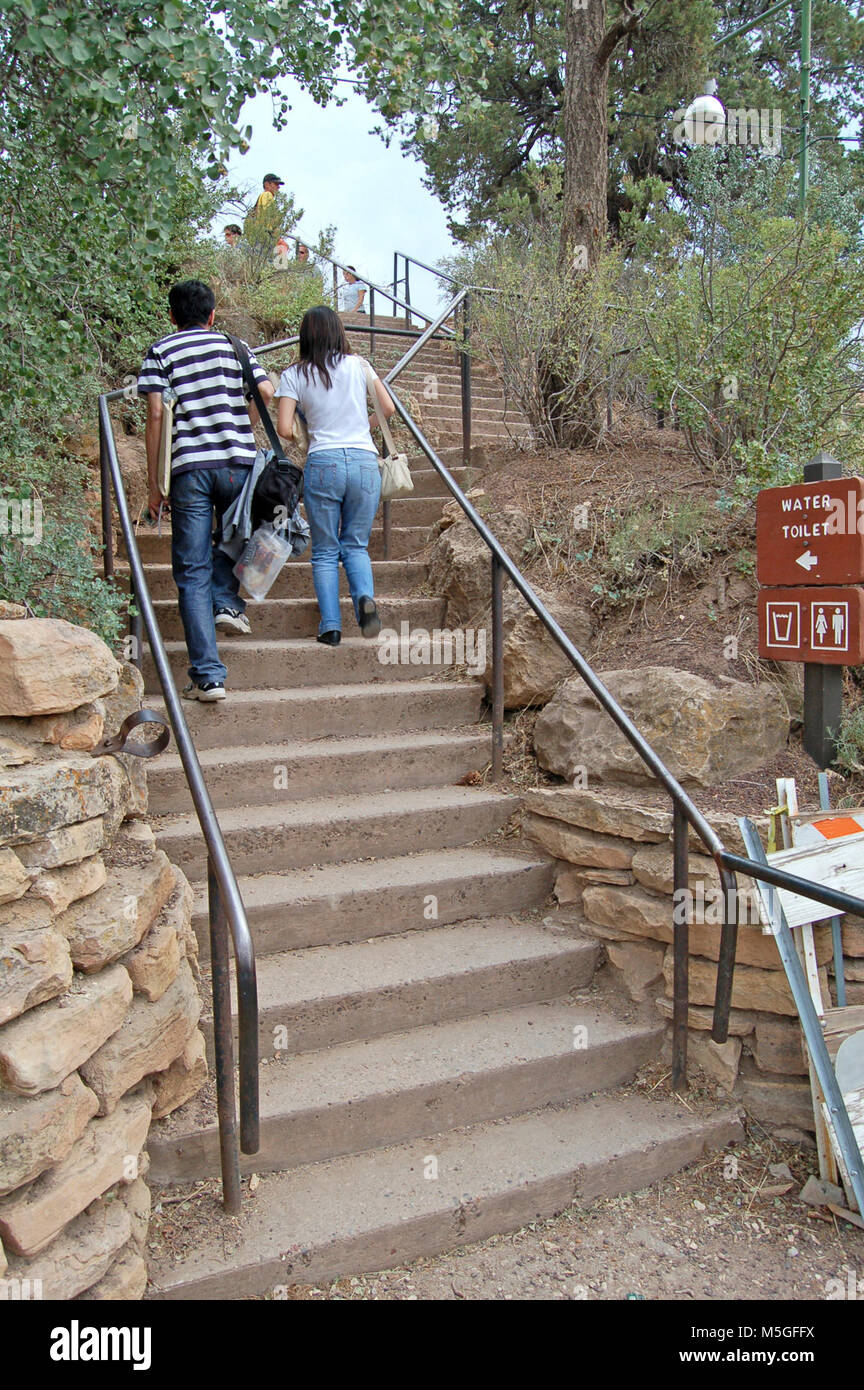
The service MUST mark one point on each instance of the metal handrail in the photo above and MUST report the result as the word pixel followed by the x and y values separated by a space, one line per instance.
pixel 353 328
pixel 440 274
pixel 370 284
pixel 226 908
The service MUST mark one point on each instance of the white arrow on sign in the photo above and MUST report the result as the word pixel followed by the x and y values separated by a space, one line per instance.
pixel 807 561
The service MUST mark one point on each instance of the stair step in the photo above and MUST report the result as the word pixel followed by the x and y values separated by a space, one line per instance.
pixel 486 404
pixel 267 774
pixel 334 828
pixel 417 511
pixel 404 541
pixel 392 577
pixel 365 1095
pixel 427 481
pixel 376 1210
pixel 251 717
pixel 291 618
pixel 259 664
pixel 325 995
pixel 340 902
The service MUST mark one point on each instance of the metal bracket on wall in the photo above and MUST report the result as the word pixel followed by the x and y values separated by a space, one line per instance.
pixel 121 743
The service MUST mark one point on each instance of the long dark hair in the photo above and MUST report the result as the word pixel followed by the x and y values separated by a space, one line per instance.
pixel 323 343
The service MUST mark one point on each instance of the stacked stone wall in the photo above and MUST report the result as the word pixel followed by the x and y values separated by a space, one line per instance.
pixel 615 870
pixel 99 1000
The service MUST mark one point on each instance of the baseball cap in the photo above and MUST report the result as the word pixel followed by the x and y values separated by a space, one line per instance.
pixel 272 178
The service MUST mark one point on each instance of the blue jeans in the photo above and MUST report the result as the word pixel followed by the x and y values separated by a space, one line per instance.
pixel 204 576
pixel 341 488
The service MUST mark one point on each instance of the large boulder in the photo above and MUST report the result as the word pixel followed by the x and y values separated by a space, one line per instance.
pixel 33 1216
pixel 152 1036
pixel 461 564
pixel 534 664
pixel 125 699
pixel 704 733
pixel 48 666
pixel 108 923
pixel 38 1131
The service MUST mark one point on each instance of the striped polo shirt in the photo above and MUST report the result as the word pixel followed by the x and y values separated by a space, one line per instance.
pixel 211 417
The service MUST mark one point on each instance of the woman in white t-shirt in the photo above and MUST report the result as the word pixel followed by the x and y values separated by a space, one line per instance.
pixel 342 481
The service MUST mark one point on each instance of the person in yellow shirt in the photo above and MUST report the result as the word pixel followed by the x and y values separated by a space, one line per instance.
pixel 264 216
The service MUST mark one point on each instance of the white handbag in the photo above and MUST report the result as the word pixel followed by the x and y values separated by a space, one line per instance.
pixel 396 477
pixel 166 434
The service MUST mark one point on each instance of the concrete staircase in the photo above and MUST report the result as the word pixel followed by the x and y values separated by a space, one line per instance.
pixel 433 383
pixel 433 1068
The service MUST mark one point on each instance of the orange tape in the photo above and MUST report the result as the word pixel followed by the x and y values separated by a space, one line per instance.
pixel 838 826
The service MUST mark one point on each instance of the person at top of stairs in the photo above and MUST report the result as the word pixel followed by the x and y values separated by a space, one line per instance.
pixel 352 293
pixel 212 449
pixel 342 482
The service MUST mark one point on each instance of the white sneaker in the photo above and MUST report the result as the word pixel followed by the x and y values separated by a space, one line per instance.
pixel 208 694
pixel 232 621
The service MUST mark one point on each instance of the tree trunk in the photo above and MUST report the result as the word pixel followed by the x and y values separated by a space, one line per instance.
pixel 578 423
pixel 583 222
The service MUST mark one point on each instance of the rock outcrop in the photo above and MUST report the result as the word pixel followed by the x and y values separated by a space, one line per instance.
pixel 704 733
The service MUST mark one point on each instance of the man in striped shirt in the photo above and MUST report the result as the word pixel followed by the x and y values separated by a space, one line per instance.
pixel 212 448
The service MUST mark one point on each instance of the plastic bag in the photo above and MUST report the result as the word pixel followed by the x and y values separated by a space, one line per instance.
pixel 263 559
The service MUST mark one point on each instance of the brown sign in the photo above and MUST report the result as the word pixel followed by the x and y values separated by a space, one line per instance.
pixel 812 533
pixel 820 625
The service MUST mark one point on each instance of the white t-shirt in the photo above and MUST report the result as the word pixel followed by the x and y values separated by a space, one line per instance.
pixel 338 418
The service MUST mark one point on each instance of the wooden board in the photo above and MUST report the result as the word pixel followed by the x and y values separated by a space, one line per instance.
pixel 835 864
pixel 840 1024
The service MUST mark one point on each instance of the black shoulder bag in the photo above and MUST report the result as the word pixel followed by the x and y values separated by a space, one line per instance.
pixel 280 486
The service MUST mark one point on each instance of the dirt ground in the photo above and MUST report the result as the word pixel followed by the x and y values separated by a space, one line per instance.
pixel 686 611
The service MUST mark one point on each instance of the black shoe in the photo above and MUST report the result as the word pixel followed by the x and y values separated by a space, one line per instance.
pixel 370 620
pixel 330 639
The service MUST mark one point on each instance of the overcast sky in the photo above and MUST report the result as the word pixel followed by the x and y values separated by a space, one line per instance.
pixel 342 174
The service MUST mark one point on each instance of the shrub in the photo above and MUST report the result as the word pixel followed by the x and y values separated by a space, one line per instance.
pixel 754 325
pixel 280 300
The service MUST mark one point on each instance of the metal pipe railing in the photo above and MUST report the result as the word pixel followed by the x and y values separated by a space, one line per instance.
pixel 440 274
pixel 684 811
pixel 378 331
pixel 226 910
pixel 406 306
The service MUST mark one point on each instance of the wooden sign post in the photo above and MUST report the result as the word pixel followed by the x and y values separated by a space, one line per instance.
pixel 810 558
